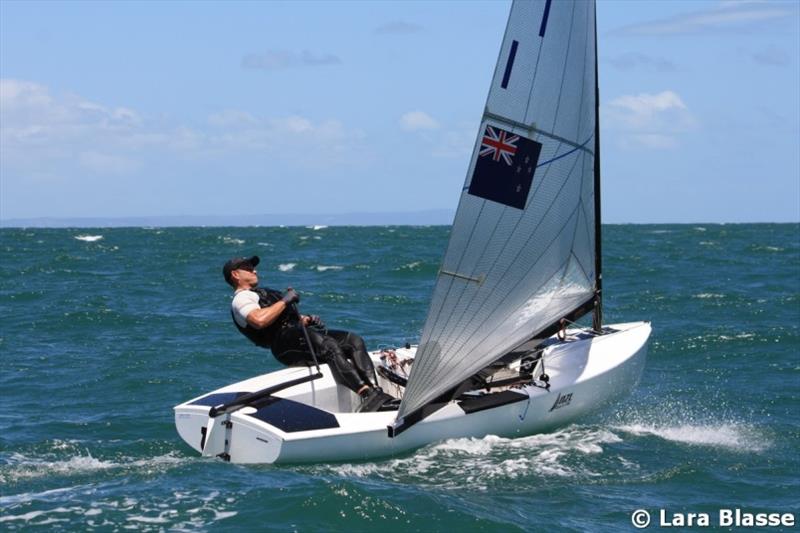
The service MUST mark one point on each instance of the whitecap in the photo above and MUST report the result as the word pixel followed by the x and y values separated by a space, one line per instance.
pixel 324 268
pixel 26 517
pixel 411 266
pixel 699 228
pixel 286 267
pixel 706 295
pixel 160 519
pixel 232 240
pixel 316 227
pixel 88 238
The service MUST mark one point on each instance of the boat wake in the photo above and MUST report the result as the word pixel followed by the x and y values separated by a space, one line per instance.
pixel 18 467
pixel 577 453
pixel 571 453
pixel 111 509
pixel 61 483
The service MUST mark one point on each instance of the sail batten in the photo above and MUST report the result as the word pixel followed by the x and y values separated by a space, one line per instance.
pixel 521 249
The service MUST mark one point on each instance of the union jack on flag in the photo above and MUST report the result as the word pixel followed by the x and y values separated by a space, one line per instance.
pixel 504 171
pixel 499 144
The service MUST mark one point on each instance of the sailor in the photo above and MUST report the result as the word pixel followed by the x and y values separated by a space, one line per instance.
pixel 269 319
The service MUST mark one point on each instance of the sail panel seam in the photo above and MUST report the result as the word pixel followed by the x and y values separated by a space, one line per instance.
pixel 533 232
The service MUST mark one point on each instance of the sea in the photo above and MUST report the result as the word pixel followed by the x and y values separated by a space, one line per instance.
pixel 104 330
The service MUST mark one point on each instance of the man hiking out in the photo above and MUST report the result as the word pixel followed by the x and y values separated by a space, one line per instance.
pixel 270 320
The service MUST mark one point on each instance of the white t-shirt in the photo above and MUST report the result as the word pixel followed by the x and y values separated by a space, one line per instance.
pixel 244 302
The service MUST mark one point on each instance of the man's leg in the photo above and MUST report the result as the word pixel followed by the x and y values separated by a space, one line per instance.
pixel 329 351
pixel 354 347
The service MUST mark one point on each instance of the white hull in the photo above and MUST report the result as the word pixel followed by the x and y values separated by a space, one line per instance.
pixel 318 423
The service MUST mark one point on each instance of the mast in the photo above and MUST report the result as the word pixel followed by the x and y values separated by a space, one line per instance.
pixel 597 314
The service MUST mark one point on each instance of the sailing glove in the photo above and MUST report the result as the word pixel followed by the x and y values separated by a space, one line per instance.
pixel 290 297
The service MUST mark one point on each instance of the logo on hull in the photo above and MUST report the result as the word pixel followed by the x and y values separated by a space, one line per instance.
pixel 561 401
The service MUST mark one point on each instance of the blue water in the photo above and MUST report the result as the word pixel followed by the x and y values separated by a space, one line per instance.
pixel 104 330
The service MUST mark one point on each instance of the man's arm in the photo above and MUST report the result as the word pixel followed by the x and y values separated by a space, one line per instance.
pixel 264 316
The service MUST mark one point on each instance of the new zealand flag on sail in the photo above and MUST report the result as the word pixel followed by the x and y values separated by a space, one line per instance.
pixel 505 167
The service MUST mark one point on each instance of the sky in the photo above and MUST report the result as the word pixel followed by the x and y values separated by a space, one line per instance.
pixel 120 109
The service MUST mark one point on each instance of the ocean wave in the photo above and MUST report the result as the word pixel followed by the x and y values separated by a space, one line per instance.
pixel 232 240
pixel 286 267
pixel 88 238
pixel 316 227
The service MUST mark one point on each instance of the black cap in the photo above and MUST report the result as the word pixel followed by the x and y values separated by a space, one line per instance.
pixel 238 262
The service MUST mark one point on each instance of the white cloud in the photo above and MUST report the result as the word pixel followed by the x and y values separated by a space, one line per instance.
pixel 639 110
pixel 31 114
pixel 456 142
pixel 231 117
pixel 724 16
pixel 42 133
pixel 649 120
pixel 418 120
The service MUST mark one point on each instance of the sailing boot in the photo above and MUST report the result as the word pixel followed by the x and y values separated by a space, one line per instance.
pixel 372 400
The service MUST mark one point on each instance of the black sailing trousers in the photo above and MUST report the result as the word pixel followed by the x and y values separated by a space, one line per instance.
pixel 344 352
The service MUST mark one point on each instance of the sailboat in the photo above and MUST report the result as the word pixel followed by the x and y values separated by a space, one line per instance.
pixel 500 353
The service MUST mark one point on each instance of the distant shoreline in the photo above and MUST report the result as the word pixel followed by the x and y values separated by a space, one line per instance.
pixel 432 217
pixel 289 221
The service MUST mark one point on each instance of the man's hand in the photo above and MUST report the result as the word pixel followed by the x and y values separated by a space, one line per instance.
pixel 313 321
pixel 290 297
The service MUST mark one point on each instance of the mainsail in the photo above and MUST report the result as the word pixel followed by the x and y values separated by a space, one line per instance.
pixel 521 253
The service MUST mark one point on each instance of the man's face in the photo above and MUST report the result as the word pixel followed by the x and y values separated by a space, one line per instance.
pixel 246 275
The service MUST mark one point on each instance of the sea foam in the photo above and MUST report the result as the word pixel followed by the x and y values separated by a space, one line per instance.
pixel 732 436
pixel 480 462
